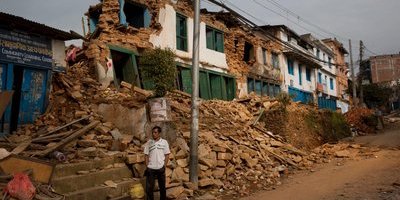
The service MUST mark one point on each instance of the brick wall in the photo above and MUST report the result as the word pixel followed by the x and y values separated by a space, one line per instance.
pixel 385 68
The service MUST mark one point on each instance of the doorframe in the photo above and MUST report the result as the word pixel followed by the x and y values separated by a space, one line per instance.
pixel 132 54
pixel 10 82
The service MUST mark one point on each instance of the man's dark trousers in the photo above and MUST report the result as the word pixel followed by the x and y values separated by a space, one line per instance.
pixel 152 174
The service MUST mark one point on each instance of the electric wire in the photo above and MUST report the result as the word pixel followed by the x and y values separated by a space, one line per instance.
pixel 305 21
pixel 295 23
pixel 266 33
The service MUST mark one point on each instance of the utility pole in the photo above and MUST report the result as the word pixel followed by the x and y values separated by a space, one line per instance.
pixel 361 76
pixel 194 128
pixel 353 79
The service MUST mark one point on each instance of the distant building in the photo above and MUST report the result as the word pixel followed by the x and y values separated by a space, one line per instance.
pixel 326 75
pixel 29 53
pixel 385 68
pixel 299 64
pixel 342 85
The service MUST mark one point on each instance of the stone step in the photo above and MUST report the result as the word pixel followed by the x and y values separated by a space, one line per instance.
pixel 78 182
pixel 62 170
pixel 103 192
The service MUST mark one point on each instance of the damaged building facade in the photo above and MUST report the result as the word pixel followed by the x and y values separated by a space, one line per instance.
pixel 299 65
pixel 234 61
pixel 343 98
pixel 27 61
pixel 326 75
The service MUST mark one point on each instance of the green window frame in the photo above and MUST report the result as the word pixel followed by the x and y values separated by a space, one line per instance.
pixel 290 67
pixel 300 75
pixel 181 32
pixel 308 74
pixel 215 39
pixel 264 56
pixel 275 60
pixel 262 88
pixel 212 85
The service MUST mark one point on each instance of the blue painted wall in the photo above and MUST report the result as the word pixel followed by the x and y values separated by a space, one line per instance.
pixel 299 95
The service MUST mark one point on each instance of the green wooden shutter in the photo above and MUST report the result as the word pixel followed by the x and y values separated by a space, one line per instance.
pixel 216 86
pixel 230 88
pixel 265 89
pixel 210 38
pixel 204 89
pixel 219 40
pixel 187 80
pixel 128 71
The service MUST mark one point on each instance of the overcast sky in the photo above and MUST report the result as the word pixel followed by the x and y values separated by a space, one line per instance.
pixel 376 22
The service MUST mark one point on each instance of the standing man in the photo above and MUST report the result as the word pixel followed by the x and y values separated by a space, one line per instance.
pixel 157 154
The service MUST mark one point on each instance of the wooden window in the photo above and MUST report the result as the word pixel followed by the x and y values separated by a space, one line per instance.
pixel 181 33
pixel 300 75
pixel 264 56
pixel 215 39
pixel 319 77
pixel 308 74
pixel 134 14
pixel 290 67
pixel 275 60
pixel 212 85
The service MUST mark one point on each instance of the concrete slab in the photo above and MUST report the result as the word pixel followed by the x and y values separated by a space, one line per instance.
pixel 78 182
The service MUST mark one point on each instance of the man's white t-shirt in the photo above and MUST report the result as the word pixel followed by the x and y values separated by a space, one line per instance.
pixel 156 151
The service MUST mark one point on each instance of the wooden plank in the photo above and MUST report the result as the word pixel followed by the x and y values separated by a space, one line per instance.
pixel 5 98
pixel 55 136
pixel 21 147
pixel 266 132
pixel 69 139
pixel 259 117
pixel 66 125
pixel 182 93
pixel 42 171
pixel 182 108
pixel 142 92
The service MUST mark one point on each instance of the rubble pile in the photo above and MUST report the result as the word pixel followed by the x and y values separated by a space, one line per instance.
pixel 236 153
pixel 358 117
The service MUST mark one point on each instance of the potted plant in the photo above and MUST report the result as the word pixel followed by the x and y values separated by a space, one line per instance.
pixel 158 70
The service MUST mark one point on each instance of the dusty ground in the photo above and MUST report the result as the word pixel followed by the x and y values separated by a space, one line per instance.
pixel 372 178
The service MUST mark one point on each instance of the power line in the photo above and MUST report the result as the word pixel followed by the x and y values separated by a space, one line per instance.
pixel 265 7
pixel 304 20
pixel 254 26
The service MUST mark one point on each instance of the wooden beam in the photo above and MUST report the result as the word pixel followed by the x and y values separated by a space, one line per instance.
pixel 64 126
pixel 69 139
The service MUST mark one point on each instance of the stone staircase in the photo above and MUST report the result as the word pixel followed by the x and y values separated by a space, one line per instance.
pixel 86 180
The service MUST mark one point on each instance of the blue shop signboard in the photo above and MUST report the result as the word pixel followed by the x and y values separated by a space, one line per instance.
pixel 19 47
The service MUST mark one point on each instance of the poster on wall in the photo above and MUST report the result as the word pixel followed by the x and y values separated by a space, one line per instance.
pixel 19 47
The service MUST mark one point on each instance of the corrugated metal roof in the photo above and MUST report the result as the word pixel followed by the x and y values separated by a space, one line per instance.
pixel 15 22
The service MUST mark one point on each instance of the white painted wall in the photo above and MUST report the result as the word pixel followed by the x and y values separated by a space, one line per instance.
pixel 325 65
pixel 329 72
pixel 58 48
pixel 344 106
pixel 167 39
pixel 325 81
pixel 294 80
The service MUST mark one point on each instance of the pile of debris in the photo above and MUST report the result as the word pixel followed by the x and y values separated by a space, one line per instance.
pixel 359 118
pixel 236 153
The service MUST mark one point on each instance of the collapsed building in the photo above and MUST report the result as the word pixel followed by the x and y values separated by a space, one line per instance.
pixel 30 53
pixel 233 60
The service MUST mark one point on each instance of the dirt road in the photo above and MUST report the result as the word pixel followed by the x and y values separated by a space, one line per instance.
pixel 364 178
